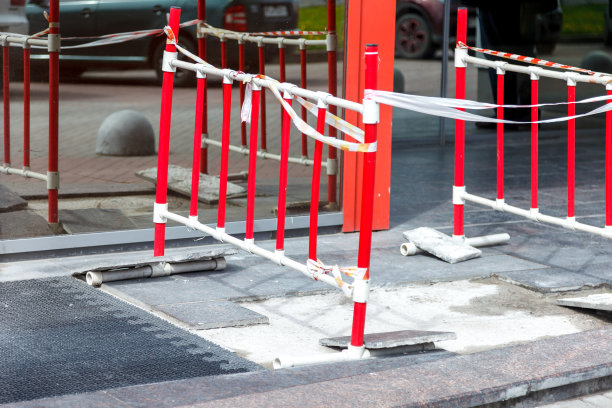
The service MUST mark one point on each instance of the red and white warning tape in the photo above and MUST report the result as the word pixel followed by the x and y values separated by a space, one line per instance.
pixel 317 268
pixel 209 29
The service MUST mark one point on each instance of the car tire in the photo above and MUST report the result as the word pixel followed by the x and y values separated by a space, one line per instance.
pixel 182 78
pixel 413 37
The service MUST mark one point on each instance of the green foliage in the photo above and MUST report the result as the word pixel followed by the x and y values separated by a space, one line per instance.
pixel 315 19
pixel 583 20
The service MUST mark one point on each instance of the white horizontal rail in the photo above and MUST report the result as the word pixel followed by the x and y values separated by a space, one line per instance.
pixel 506 66
pixel 264 155
pixel 277 257
pixel 18 39
pixel 285 86
pixel 568 223
pixel 260 39
pixel 23 172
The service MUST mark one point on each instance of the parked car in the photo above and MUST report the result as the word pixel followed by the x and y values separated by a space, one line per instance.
pixel 80 18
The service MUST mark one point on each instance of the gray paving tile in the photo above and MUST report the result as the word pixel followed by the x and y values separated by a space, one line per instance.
pixel 212 315
pixel 551 279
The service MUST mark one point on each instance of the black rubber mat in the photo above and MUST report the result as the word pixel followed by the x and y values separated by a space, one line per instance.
pixel 60 336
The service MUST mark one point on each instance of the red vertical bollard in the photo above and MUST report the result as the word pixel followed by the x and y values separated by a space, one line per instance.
pixel 534 141
pixel 571 147
pixel 163 151
pixel 197 143
pixel 281 70
pixel 26 106
pixel 303 85
pixel 460 67
pixel 332 74
pixel 316 184
pixel 608 164
pixel 243 137
pixel 225 141
pixel 500 135
pixel 282 182
pixel 370 121
pixel 53 169
pixel 250 216
pixel 223 51
pixel 202 54
pixel 262 70
pixel 6 94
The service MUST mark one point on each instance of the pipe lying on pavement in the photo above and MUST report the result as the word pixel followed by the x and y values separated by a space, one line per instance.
pixel 96 278
pixel 408 248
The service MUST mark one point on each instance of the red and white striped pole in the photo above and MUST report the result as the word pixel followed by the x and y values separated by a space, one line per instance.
pixel 332 75
pixel 608 164
pixel 197 143
pixel 6 95
pixel 500 135
pixel 303 85
pixel 571 148
pixel 534 140
pixel 26 106
pixel 362 286
pixel 250 215
pixel 282 179
pixel 204 113
pixel 53 170
pixel 460 66
pixel 282 71
pixel 225 141
pixel 163 151
pixel 316 184
pixel 262 70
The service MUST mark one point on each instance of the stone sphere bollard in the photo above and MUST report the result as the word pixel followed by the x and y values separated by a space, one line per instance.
pixel 598 61
pixel 126 133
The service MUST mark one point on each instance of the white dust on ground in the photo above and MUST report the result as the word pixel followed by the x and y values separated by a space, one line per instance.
pixel 484 315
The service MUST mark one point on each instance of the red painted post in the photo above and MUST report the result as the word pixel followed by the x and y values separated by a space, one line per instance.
pixel 332 76
pixel 534 141
pixel 282 179
pixel 223 52
pixel 370 120
pixel 26 106
pixel 460 67
pixel 202 54
pixel 608 164
pixel 571 147
pixel 282 71
pixel 262 71
pixel 316 185
pixel 250 215
pixel 243 137
pixel 6 93
pixel 53 169
pixel 225 141
pixel 163 151
pixel 500 134
pixel 303 85
pixel 197 143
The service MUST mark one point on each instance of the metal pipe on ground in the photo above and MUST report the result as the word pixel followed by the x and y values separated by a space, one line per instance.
pixel 96 278
pixel 408 248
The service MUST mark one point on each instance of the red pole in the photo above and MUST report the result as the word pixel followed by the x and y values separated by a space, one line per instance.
pixel 500 135
pixel 53 48
pixel 370 120
pixel 332 89
pixel 225 139
pixel 262 71
pixel 282 182
pixel 202 54
pixel 197 143
pixel 26 106
pixel 7 104
pixel 250 216
pixel 571 147
pixel 534 142
pixel 163 151
pixel 303 85
pixel 608 164
pixel 223 52
pixel 282 73
pixel 460 67
pixel 243 137
pixel 316 183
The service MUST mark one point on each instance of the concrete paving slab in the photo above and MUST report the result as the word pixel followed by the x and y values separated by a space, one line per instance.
pixel 23 224
pixel 212 315
pixel 551 280
pixel 441 245
pixel 10 201
pixel 94 220
pixel 391 339
pixel 602 301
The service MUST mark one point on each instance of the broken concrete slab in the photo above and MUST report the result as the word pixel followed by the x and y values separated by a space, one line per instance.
pixel 391 339
pixel 601 301
pixel 10 201
pixel 23 224
pixel 95 220
pixel 212 314
pixel 179 181
pixel 441 245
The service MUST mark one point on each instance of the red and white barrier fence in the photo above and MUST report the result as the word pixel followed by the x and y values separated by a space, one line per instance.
pixel 358 289
pixel 278 38
pixel 52 43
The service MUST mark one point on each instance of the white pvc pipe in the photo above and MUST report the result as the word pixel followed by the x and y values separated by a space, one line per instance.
pixel 408 248
pixel 23 172
pixel 12 39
